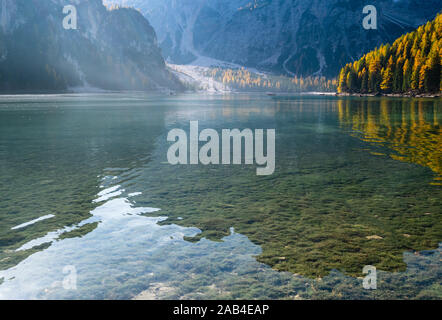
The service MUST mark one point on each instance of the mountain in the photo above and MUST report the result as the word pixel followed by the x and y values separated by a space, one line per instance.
pixel 411 63
pixel 110 49
pixel 302 37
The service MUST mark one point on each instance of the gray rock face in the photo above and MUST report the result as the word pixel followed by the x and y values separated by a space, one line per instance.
pixel 111 49
pixel 302 37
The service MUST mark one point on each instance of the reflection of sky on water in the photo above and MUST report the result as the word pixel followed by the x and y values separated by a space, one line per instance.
pixel 125 245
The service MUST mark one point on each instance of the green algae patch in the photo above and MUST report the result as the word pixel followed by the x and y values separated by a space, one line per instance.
pixel 334 203
pixel 70 205
pixel 9 258
pixel 311 233
pixel 79 232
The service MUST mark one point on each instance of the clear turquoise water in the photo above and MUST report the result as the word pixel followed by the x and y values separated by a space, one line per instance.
pixel 347 169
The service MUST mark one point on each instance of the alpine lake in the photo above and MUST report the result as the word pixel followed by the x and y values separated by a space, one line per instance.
pixel 85 185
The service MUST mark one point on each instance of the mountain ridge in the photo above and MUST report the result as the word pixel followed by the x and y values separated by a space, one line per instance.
pixel 294 37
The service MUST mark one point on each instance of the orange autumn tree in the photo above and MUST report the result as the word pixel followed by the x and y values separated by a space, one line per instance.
pixel 411 64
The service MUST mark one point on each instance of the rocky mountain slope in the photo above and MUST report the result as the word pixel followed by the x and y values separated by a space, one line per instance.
pixel 110 49
pixel 302 37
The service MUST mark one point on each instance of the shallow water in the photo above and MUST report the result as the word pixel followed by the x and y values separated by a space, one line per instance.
pixel 86 185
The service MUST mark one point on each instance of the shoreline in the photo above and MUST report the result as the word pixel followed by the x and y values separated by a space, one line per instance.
pixel 391 95
pixel 270 94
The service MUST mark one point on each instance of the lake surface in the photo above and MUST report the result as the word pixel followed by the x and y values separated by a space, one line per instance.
pixel 86 190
